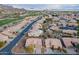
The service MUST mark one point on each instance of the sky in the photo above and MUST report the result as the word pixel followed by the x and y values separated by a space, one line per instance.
pixel 47 6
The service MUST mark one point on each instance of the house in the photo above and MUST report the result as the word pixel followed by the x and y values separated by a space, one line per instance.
pixel 55 19
pixel 69 31
pixel 37 44
pixel 35 33
pixel 67 41
pixel 53 42
pixel 56 28
pixel 63 22
pixel 72 22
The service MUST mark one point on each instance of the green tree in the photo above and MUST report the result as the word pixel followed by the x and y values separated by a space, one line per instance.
pixel 30 48
pixel 2 44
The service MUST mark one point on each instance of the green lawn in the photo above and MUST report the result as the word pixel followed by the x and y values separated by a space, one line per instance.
pixel 6 21
pixel 9 20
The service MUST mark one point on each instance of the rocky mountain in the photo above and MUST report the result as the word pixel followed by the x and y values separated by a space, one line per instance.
pixel 9 9
pixel 6 10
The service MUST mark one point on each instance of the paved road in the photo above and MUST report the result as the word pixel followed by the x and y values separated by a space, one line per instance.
pixel 7 50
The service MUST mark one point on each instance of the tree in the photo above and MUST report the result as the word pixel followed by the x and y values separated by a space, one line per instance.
pixel 42 50
pixel 77 46
pixel 16 15
pixel 52 47
pixel 2 44
pixel 30 48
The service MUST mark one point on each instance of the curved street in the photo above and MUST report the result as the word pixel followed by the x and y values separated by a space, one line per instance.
pixel 7 49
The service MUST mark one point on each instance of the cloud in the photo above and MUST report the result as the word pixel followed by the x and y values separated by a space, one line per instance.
pixel 47 6
pixel 53 6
